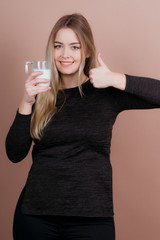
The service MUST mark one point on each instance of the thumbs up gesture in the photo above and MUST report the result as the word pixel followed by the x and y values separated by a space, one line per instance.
pixel 102 77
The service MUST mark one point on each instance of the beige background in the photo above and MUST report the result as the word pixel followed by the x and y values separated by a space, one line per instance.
pixel 128 37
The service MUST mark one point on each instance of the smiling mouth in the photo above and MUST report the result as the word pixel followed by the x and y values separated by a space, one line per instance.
pixel 66 63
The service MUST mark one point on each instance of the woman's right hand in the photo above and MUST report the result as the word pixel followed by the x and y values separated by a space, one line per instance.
pixel 31 90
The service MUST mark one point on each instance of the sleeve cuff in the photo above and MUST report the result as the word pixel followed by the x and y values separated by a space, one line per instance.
pixel 22 118
pixel 22 115
pixel 133 84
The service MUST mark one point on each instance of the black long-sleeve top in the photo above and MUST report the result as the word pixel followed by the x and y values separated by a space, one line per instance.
pixel 71 173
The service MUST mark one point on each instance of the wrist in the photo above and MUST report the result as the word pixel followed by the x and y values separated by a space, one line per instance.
pixel 119 81
pixel 25 108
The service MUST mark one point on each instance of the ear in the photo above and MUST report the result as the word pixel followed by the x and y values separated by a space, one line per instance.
pixel 87 55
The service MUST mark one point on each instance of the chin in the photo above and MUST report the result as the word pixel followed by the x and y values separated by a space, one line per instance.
pixel 68 72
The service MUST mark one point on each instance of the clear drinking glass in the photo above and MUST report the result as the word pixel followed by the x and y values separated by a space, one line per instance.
pixel 44 66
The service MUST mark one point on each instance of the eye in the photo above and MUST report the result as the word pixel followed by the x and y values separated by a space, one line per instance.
pixel 57 46
pixel 75 47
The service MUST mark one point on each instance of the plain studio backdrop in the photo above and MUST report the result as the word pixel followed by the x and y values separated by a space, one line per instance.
pixel 127 34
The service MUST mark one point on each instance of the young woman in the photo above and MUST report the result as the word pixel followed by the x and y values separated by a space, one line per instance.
pixel 68 193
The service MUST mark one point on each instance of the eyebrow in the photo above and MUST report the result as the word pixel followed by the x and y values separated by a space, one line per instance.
pixel 69 44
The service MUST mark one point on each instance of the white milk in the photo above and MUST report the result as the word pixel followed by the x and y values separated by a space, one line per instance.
pixel 46 74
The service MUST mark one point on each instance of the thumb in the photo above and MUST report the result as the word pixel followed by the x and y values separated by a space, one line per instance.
pixel 99 60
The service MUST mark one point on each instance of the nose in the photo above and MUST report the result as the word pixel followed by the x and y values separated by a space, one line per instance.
pixel 65 53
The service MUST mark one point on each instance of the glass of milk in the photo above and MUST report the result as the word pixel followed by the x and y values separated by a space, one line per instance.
pixel 44 66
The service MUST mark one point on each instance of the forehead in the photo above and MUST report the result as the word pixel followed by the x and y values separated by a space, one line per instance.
pixel 66 35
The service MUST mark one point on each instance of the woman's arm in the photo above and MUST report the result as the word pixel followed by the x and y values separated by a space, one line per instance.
pixel 139 93
pixel 144 88
pixel 18 140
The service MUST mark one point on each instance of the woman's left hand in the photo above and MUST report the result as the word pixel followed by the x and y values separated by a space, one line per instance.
pixel 102 77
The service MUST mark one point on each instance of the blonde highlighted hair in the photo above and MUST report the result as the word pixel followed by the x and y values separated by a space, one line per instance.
pixel 45 105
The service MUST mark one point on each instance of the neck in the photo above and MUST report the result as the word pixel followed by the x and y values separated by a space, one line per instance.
pixel 69 81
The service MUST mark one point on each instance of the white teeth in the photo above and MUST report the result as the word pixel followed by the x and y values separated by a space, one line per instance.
pixel 66 63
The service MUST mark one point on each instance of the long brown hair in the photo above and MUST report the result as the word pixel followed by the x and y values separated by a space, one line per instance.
pixel 45 106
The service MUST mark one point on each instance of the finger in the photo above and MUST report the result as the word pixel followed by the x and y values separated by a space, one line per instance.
pixel 91 80
pixel 40 89
pixel 33 75
pixel 38 80
pixel 99 60
pixel 92 71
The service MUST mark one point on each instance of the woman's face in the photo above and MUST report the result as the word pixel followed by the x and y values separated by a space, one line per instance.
pixel 67 52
